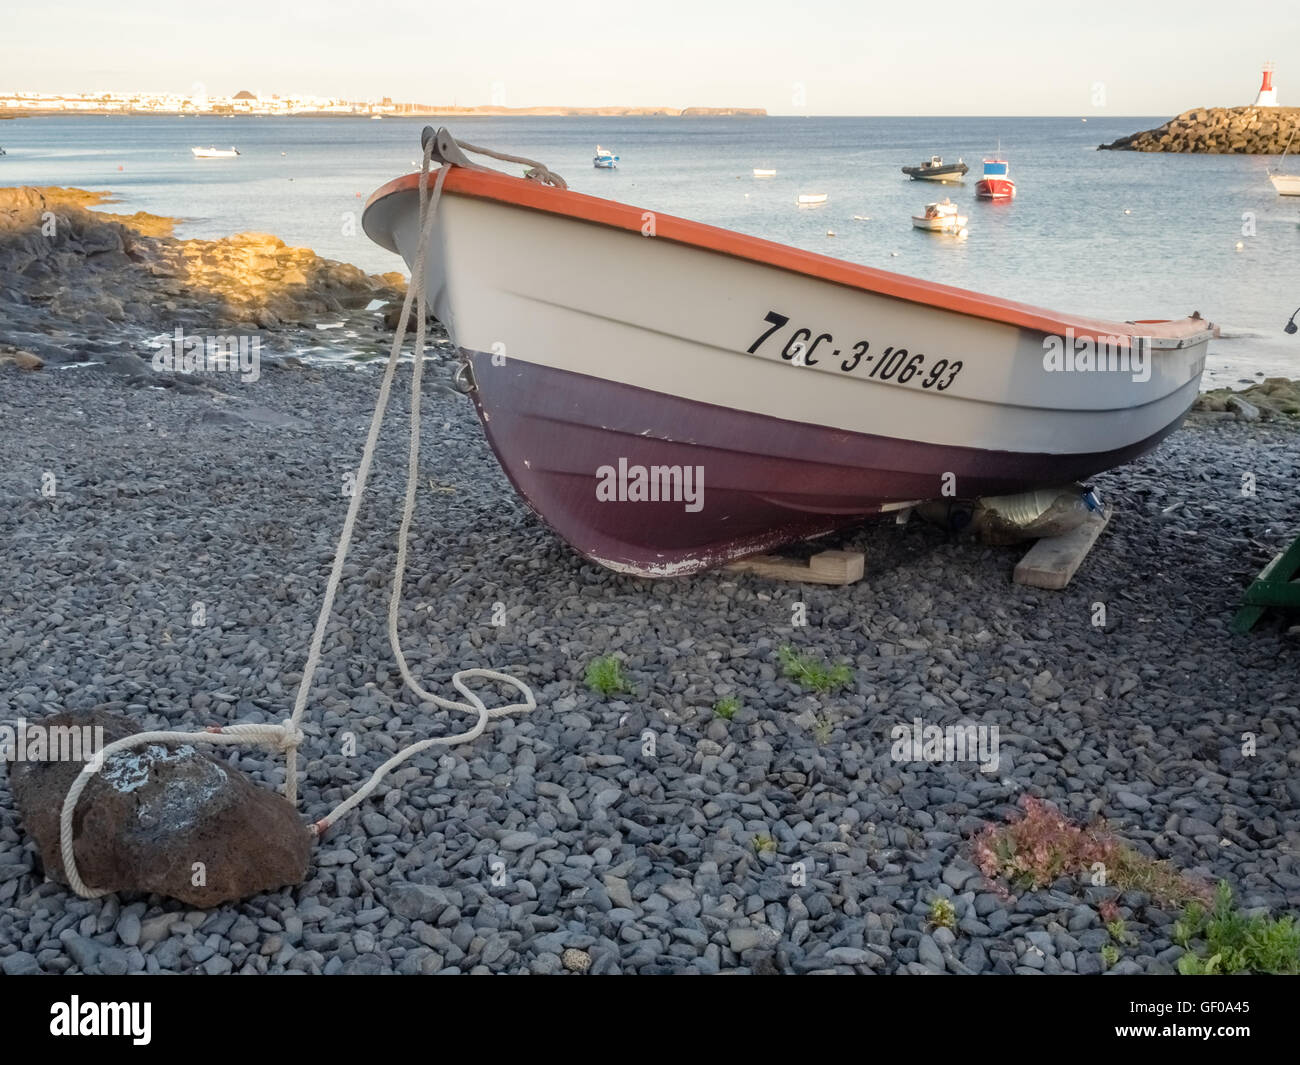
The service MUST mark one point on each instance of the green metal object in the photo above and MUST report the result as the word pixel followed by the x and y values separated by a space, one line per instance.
pixel 1278 585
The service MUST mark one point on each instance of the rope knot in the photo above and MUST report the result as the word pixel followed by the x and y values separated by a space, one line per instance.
pixel 546 177
pixel 291 737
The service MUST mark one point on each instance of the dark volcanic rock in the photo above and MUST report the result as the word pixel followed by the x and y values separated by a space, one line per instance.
pixel 153 812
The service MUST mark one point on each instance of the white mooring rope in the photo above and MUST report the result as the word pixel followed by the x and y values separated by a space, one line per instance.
pixel 536 171
pixel 288 736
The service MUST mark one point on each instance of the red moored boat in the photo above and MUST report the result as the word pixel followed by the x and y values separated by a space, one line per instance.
pixel 995 184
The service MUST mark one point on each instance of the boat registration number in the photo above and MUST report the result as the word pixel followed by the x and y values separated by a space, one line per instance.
pixel 803 347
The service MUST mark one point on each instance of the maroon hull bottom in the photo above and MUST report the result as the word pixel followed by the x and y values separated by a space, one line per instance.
pixel 573 445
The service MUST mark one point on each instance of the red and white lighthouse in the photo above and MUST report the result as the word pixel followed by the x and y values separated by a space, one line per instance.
pixel 1267 94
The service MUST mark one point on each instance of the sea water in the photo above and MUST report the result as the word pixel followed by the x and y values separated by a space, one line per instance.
pixel 1117 235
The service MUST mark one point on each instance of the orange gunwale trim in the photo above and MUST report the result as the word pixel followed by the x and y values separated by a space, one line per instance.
pixel 533 195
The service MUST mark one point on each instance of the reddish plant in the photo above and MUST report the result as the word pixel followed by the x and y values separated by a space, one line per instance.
pixel 1043 845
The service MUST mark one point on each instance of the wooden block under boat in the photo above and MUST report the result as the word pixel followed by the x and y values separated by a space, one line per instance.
pixel 825 567
pixel 1052 561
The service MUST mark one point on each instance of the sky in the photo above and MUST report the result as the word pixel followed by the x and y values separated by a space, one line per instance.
pixel 838 57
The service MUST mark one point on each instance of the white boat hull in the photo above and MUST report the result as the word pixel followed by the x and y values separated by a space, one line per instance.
pixel 940 225
pixel 1286 184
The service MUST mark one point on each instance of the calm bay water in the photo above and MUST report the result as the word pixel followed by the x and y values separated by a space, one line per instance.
pixel 1118 235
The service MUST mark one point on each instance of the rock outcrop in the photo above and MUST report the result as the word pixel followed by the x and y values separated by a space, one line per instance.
pixel 96 274
pixel 1271 398
pixel 1219 130
pixel 166 819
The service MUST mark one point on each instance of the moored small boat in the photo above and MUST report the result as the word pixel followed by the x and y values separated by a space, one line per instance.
pixel 759 172
pixel 935 169
pixel 787 393
pixel 996 184
pixel 215 153
pixel 1286 184
pixel 940 218
pixel 605 159
pixel 812 199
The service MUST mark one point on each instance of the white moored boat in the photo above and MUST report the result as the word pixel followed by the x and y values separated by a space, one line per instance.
pixel 215 153
pixel 1286 184
pixel 813 199
pixel 940 218
pixel 759 172
pixel 669 395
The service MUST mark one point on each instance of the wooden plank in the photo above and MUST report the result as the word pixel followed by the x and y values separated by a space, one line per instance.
pixel 1274 593
pixel 1270 588
pixel 1052 561
pixel 826 567
pixel 1244 619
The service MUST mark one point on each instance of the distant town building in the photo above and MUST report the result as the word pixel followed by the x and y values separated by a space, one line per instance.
pixel 1267 94
pixel 198 102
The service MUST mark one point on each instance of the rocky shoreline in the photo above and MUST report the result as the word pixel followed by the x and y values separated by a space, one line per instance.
pixel 1217 130
pixel 82 285
pixel 554 843
pixel 783 835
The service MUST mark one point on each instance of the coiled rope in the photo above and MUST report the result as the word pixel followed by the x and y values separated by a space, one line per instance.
pixel 288 736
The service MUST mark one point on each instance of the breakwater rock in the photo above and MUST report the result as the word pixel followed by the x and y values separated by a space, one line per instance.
pixel 1218 130
pixel 72 277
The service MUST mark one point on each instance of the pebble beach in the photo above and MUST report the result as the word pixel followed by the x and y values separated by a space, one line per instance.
pixel 786 838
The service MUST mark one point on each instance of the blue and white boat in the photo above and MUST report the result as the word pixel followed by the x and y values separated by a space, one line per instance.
pixel 605 159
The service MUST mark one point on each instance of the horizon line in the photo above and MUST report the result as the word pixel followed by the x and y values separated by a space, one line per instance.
pixel 460 112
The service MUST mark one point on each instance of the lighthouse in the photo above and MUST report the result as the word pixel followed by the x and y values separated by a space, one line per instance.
pixel 1267 94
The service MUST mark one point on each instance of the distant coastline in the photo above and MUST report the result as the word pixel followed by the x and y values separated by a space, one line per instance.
pixel 418 112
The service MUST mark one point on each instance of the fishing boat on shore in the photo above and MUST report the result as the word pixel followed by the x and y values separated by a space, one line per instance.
pixel 996 184
pixel 605 159
pixel 935 169
pixel 215 153
pixel 940 218
pixel 671 399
